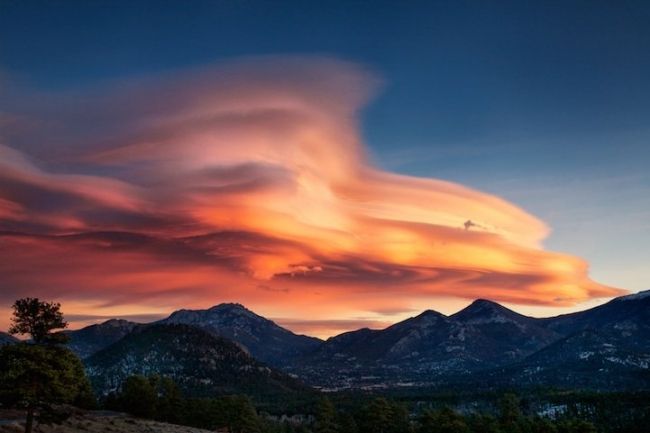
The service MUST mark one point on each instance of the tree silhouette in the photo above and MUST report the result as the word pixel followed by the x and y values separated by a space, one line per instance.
pixel 444 420
pixel 242 414
pixel 139 397
pixel 38 319
pixel 38 374
pixel 36 377
pixel 348 424
pixel 326 417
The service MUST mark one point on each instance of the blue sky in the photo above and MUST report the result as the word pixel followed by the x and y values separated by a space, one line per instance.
pixel 543 103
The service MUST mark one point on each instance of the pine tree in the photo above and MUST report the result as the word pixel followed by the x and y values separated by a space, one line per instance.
pixel 243 417
pixel 376 416
pixel 510 414
pixel 384 416
pixel 37 377
pixel 138 396
pixel 41 373
pixel 484 423
pixel 38 319
pixel 326 417
pixel 170 401
pixel 348 424
pixel 442 421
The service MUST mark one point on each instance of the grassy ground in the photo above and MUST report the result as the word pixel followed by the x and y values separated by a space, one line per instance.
pixel 93 422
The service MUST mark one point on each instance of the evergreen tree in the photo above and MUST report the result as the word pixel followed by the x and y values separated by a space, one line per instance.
pixel 399 421
pixel 347 424
pixel 326 417
pixel 542 425
pixel 242 415
pixel 38 319
pixel 510 414
pixel 170 401
pixel 138 396
pixel 375 416
pixel 427 422
pixel 442 421
pixel 36 377
pixel 41 374
pixel 384 416
pixel 482 423
pixel 576 426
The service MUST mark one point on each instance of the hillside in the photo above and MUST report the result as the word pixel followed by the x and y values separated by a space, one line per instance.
pixel 91 339
pixel 261 337
pixel 201 363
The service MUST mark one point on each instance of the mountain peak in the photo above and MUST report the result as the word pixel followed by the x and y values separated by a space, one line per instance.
pixel 485 303
pixel 486 311
pixel 232 309
pixel 228 306
pixel 117 323
pixel 424 319
pixel 430 313
pixel 260 336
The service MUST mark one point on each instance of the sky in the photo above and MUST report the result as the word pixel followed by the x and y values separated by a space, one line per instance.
pixel 330 166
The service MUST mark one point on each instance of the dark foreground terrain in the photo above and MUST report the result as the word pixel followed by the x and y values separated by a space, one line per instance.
pixel 94 422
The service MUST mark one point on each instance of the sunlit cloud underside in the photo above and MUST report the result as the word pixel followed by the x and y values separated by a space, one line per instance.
pixel 248 182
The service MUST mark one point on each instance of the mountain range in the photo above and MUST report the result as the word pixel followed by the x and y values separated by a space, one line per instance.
pixel 485 344
pixel 604 347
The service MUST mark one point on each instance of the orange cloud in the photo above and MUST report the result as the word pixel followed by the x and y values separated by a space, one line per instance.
pixel 249 182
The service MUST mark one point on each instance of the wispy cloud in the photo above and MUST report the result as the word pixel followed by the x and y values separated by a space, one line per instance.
pixel 249 182
pixel 327 328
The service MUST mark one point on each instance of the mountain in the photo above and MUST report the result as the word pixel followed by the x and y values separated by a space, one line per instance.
pixel 201 363
pixel 485 334
pixel 419 338
pixel 91 339
pixel 261 337
pixel 502 335
pixel 423 346
pixel 7 338
pixel 603 360
pixel 631 311
pixel 605 346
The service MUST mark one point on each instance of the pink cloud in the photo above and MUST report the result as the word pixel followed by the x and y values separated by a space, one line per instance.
pixel 204 186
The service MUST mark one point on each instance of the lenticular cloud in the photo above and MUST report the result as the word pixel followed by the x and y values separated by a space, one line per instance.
pixel 206 185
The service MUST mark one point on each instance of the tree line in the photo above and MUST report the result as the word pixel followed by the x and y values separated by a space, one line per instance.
pixel 160 399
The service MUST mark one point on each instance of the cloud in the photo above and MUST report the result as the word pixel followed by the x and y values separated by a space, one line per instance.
pixel 249 182
pixel 92 319
pixel 329 327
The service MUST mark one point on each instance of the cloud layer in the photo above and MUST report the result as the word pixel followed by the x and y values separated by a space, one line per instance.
pixel 248 182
